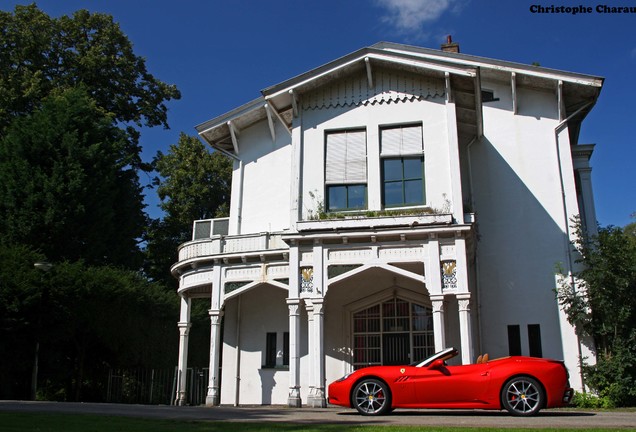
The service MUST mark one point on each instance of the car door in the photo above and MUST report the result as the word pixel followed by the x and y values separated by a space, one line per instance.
pixel 451 385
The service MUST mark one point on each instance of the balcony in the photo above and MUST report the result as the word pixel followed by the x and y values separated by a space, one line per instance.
pixel 222 244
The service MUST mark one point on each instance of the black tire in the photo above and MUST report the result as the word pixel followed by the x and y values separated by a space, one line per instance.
pixel 371 397
pixel 522 396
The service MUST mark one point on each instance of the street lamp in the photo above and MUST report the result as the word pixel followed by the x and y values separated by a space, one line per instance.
pixel 43 266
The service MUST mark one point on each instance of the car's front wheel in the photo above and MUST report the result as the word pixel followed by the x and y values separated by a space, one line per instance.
pixel 372 397
pixel 522 396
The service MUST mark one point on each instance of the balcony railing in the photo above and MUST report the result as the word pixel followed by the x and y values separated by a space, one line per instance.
pixel 223 244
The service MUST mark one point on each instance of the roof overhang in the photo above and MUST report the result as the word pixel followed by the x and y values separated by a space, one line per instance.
pixel 462 74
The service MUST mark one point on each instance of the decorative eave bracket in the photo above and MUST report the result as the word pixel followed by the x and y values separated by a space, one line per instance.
pixel 513 86
pixel 367 63
pixel 234 133
pixel 270 122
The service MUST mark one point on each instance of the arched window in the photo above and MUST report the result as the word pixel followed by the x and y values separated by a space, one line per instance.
pixel 392 333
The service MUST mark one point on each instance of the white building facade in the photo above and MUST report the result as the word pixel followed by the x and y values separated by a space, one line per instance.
pixel 386 205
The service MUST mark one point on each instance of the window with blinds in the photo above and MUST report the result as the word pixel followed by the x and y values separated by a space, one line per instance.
pixel 402 141
pixel 346 170
pixel 402 154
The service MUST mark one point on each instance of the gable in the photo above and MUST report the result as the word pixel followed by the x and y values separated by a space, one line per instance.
pixel 389 86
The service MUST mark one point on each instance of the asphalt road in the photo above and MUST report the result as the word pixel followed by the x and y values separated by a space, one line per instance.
pixel 561 418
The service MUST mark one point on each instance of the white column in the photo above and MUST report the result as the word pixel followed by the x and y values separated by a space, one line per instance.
pixel 317 399
pixel 214 397
pixel 433 271
pixel 461 261
pixel 310 374
pixel 293 399
pixel 433 274
pixel 439 334
pixel 465 330
pixel 453 156
pixel 318 268
pixel 296 173
pixel 182 367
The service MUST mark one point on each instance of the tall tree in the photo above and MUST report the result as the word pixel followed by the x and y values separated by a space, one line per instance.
pixel 72 96
pixel 604 307
pixel 52 163
pixel 193 184
pixel 39 54
pixel 67 186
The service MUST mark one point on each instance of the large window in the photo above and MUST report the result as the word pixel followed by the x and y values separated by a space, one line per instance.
pixel 392 333
pixel 346 170
pixel 402 166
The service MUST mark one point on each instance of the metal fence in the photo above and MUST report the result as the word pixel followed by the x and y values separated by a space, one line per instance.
pixel 155 386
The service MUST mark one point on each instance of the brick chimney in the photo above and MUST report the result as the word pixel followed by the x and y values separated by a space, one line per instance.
pixel 450 46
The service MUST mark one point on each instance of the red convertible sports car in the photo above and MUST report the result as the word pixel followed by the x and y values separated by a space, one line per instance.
pixel 521 385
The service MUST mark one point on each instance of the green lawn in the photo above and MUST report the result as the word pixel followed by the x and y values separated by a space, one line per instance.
pixel 40 422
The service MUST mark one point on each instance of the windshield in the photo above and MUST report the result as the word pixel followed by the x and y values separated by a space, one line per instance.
pixel 445 354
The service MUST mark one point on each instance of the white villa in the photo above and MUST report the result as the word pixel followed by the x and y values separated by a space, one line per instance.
pixel 385 205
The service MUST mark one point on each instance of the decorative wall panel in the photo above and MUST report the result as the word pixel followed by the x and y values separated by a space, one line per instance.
pixel 389 87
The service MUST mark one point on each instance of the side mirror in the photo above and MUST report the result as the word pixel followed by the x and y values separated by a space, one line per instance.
pixel 437 364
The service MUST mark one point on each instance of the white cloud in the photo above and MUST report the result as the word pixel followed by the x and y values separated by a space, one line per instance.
pixel 411 15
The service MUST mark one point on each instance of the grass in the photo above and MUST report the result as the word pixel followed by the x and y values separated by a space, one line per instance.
pixel 44 422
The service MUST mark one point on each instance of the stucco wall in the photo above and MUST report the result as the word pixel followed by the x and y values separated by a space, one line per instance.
pixel 258 385
pixel 517 197
pixel 265 199
pixel 431 113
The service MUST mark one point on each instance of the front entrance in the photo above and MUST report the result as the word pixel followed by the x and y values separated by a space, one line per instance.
pixel 394 332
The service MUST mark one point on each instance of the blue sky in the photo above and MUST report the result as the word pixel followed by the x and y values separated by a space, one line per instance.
pixel 220 54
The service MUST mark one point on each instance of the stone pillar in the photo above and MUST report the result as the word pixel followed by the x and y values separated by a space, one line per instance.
pixel 182 367
pixel 293 399
pixel 310 374
pixel 214 397
pixel 439 333
pixel 465 328
pixel 317 398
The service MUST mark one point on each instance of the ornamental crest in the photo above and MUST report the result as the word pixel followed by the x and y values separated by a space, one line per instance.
pixel 449 275
pixel 306 279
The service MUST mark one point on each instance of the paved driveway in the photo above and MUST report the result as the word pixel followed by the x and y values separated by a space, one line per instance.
pixel 484 419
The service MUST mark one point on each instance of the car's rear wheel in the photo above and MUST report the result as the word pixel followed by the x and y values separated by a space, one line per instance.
pixel 372 397
pixel 522 396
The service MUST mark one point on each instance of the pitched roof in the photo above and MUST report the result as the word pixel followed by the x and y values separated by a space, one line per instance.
pixel 461 71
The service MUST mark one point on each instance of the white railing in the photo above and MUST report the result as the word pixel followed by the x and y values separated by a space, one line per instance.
pixel 218 244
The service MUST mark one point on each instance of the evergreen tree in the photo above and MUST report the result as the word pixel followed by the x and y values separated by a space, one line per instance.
pixel 67 186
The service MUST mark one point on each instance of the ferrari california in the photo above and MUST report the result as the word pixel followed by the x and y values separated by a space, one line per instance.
pixel 521 385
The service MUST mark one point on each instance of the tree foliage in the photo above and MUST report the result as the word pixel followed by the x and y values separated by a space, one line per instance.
pixel 193 184
pixel 86 320
pixel 73 95
pixel 39 54
pixel 604 306
pixel 66 184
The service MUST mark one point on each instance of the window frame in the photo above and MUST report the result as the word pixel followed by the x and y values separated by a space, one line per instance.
pixel 346 182
pixel 402 142
pixel 403 181
pixel 348 205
